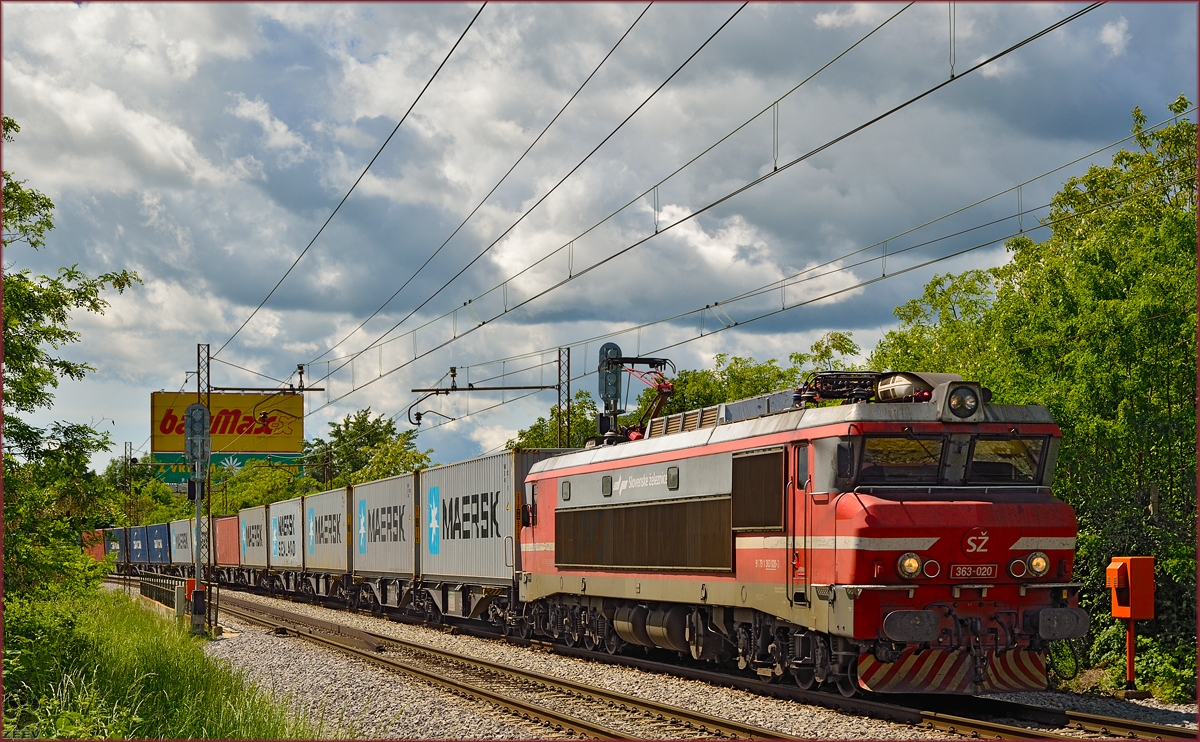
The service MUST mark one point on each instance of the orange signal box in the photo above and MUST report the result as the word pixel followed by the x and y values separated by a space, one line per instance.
pixel 1131 580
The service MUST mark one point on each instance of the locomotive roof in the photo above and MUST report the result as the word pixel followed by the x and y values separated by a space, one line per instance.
pixel 798 419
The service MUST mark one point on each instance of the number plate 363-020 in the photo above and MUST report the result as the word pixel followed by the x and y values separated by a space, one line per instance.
pixel 973 571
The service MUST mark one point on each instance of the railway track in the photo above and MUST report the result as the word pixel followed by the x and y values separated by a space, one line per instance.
pixel 561 703
pixel 973 716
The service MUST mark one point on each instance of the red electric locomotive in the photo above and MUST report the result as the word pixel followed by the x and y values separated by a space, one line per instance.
pixel 904 540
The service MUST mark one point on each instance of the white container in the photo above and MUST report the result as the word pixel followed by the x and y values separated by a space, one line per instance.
pixel 181 542
pixel 252 528
pixel 468 514
pixel 286 545
pixel 382 542
pixel 326 532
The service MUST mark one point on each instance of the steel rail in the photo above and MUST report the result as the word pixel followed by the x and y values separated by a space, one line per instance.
pixel 1069 719
pixel 692 720
pixel 515 706
pixel 978 728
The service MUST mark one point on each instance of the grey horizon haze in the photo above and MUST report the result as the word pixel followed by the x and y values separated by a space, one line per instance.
pixel 203 145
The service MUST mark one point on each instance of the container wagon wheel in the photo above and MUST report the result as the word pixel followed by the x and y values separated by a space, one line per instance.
pixel 806 677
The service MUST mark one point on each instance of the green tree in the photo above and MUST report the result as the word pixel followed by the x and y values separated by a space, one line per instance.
pixel 398 455
pixel 544 431
pixel 1097 322
pixel 333 461
pixel 50 494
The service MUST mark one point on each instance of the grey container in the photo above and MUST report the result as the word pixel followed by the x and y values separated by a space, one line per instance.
pixel 181 542
pixel 383 542
pixel 252 536
pixel 287 550
pixel 326 532
pixel 468 514
pixel 203 538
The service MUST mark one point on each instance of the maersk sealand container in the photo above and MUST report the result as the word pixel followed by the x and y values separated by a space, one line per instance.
pixel 326 532
pixel 252 527
pixel 286 538
pixel 158 543
pixel 383 538
pixel 139 548
pixel 468 517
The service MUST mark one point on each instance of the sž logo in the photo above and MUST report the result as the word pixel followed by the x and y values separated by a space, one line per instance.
pixel 435 526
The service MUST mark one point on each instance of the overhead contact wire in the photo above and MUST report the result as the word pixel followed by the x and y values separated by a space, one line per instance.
pixel 555 187
pixel 482 201
pixel 355 185
pixel 737 191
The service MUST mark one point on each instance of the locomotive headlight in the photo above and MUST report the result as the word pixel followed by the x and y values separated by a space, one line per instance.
pixel 963 401
pixel 909 565
pixel 1039 564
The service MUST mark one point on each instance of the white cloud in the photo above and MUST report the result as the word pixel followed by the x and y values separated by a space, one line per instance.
pixel 490 436
pixel 858 14
pixel 1115 35
pixel 276 134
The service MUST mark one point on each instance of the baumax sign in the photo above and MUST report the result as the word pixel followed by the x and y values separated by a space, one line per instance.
pixel 238 424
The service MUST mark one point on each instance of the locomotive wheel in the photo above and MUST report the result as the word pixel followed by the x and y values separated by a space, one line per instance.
pixel 806 677
pixel 613 643
pixel 847 683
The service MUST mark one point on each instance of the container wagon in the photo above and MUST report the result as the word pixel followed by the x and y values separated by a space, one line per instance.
pixel 252 536
pixel 139 547
pixel 285 561
pixel 327 544
pixel 383 552
pixel 158 544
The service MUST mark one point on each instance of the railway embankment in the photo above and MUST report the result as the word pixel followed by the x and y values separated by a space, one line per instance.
pixel 102 666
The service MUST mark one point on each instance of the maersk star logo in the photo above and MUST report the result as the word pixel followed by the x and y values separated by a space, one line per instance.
pixel 312 528
pixel 435 527
pixel 362 526
pixel 274 537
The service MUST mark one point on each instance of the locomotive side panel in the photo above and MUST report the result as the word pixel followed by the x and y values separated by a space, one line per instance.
pixel 285 520
pixel 326 522
pixel 384 541
pixel 181 542
pixel 252 536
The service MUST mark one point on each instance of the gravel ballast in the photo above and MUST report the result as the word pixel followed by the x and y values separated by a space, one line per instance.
pixel 785 716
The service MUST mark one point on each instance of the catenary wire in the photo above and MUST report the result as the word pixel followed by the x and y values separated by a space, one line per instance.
pixel 556 185
pixel 665 179
pixel 899 234
pixel 355 185
pixel 1047 224
pixel 732 194
pixel 1043 225
pixel 489 193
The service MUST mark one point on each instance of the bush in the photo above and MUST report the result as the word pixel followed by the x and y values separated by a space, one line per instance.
pixel 100 666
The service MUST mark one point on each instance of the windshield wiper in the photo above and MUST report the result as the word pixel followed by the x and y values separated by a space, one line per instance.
pixel 909 434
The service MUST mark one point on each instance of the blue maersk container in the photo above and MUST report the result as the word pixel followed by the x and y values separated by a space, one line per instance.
pixel 114 543
pixel 139 552
pixel 158 537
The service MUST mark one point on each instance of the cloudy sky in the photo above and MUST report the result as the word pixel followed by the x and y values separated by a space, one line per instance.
pixel 204 145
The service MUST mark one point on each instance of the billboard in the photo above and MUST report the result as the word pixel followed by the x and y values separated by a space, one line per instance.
pixel 173 468
pixel 237 426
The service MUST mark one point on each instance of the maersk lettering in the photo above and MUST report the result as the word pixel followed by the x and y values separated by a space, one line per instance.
pixel 252 536
pixel 327 529
pixel 385 524
pixel 471 516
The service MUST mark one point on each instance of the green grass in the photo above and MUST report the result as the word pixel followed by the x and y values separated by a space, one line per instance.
pixel 100 666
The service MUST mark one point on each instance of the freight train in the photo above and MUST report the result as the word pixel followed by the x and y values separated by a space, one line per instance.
pixel 889 533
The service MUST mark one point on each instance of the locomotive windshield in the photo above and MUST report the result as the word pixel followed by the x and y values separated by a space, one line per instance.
pixel 914 460
pixel 901 461
pixel 996 460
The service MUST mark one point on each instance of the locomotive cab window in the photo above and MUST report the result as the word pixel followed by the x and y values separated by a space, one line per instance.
pixel 901 461
pixel 999 460
pixel 758 491
pixel 672 477
pixel 606 486
pixel 566 491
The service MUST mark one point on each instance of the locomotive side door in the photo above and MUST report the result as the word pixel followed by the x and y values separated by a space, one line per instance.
pixel 798 515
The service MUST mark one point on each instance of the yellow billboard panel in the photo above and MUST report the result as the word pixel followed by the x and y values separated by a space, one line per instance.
pixel 237 422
